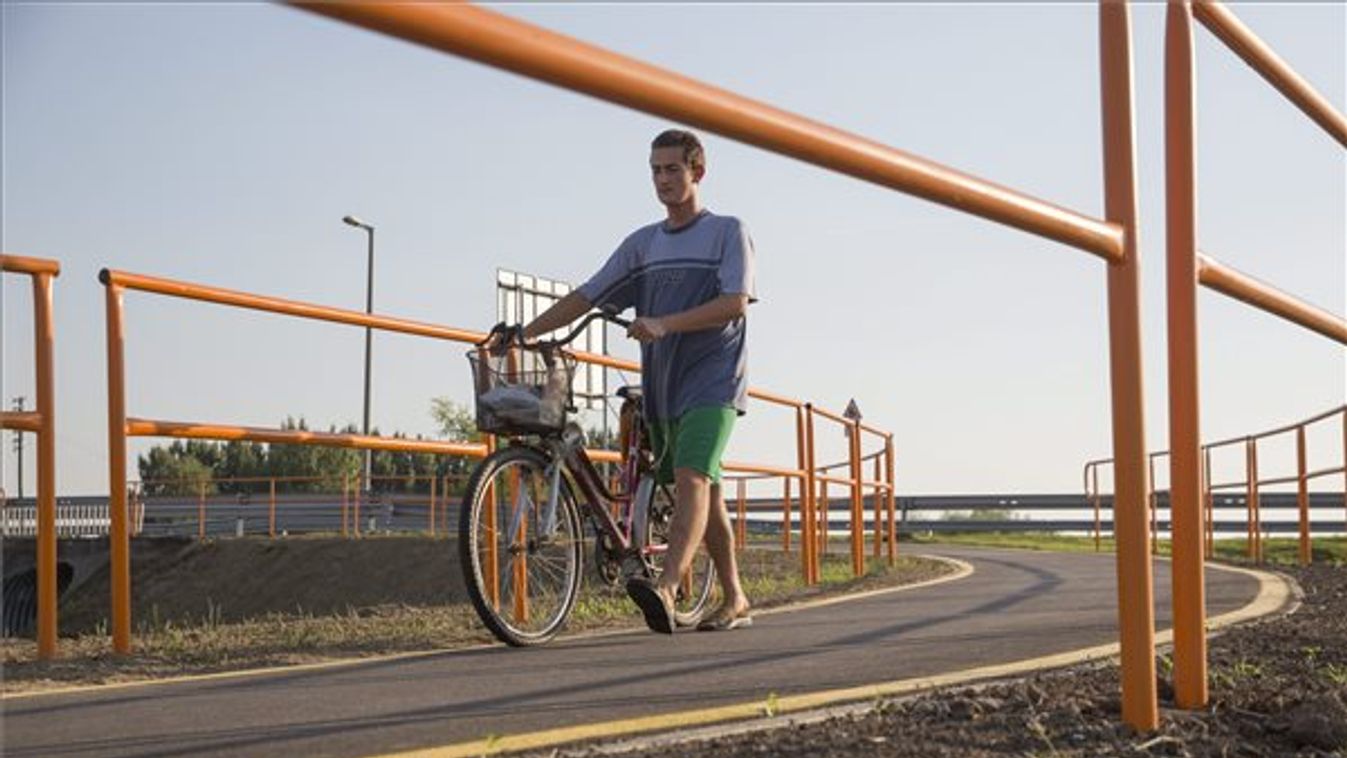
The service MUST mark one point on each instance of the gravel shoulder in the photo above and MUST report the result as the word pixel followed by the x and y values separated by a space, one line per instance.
pixel 1277 690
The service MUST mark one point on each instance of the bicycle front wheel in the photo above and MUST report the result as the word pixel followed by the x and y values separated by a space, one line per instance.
pixel 521 562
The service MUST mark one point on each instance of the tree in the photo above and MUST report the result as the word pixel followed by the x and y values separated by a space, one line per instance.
pixel 456 422
pixel 177 469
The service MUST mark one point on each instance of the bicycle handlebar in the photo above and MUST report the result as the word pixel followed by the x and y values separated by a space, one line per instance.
pixel 585 322
pixel 516 333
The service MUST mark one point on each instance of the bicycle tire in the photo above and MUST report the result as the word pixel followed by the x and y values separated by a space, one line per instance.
pixel 563 563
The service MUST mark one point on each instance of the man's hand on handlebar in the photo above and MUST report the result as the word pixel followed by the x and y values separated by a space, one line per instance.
pixel 646 329
pixel 504 335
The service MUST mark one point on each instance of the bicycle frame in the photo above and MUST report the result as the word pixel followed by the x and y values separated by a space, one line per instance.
pixel 637 489
pixel 568 449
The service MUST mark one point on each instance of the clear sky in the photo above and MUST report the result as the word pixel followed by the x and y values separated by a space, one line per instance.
pixel 222 143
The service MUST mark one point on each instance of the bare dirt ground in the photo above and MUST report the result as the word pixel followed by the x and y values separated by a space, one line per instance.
pixel 227 605
pixel 1278 689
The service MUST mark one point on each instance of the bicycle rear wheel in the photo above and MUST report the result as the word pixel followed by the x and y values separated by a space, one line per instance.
pixel 699 584
pixel 523 581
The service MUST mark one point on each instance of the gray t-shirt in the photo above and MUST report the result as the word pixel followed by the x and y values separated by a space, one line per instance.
pixel 662 272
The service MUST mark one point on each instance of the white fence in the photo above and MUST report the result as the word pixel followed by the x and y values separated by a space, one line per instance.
pixel 72 520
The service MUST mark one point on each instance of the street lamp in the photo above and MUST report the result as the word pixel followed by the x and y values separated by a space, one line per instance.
pixel 369 309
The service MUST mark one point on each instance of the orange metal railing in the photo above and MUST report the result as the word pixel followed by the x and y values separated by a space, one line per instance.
pixel 497 40
pixel 1251 485
pixel 120 426
pixel 814 521
pixel 41 422
pixel 1185 269
pixel 438 489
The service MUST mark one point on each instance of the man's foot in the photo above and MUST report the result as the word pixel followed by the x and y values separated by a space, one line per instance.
pixel 655 603
pixel 727 617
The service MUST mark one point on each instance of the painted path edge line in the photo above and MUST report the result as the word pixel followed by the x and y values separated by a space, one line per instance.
pixel 1273 594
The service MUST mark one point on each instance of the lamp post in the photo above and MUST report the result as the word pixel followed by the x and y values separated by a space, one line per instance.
pixel 369 309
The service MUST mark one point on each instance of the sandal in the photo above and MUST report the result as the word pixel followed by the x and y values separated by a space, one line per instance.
pixel 724 619
pixel 658 610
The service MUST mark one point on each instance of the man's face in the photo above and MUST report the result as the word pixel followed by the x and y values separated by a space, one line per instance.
pixel 675 181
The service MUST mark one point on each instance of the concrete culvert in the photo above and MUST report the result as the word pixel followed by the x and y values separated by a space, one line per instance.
pixel 20 599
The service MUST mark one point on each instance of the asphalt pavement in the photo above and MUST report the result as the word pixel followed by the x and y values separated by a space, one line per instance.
pixel 1015 605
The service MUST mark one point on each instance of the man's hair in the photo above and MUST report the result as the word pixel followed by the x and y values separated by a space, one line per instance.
pixel 693 155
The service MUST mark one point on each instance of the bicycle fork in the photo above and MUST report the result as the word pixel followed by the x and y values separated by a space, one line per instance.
pixel 547 519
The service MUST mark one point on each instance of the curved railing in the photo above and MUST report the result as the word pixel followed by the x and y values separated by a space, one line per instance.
pixel 1250 485
pixel 121 426
pixel 41 422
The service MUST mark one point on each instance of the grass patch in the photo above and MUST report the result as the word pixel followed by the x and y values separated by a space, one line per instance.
pixel 1276 551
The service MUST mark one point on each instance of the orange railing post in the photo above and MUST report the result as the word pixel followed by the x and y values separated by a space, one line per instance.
pixel 118 535
pixel 1208 505
pixel 1153 505
pixel 1092 491
pixel 361 487
pixel 809 535
pixel 1302 497
pixel 1135 595
pixel 889 466
pixel 879 511
pixel 1186 531
pixel 42 421
pixel 490 565
pixel 430 512
pixel 1257 501
pixel 741 516
pixel 1250 492
pixel 857 508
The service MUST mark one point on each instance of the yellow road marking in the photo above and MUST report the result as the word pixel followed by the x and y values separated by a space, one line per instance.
pixel 962 570
pixel 1273 593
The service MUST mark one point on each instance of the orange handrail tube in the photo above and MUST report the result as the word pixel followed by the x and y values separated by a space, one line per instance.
pixel 42 423
pixel 24 421
pixel 20 264
pixel 501 41
pixel 138 427
pixel 1245 288
pixel 1244 43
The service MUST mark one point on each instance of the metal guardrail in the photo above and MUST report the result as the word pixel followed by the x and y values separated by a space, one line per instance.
pixel 72 520
pixel 226 515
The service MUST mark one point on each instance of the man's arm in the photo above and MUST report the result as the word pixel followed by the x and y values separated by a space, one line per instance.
pixel 708 315
pixel 562 313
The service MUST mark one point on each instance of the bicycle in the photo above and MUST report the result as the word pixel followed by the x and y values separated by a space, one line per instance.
pixel 521 534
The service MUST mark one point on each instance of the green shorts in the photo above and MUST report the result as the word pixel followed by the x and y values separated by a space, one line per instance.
pixel 696 441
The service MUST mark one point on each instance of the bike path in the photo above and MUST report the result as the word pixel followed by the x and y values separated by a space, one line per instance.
pixel 1015 605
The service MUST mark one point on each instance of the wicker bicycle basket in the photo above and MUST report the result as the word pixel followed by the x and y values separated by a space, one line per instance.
pixel 523 390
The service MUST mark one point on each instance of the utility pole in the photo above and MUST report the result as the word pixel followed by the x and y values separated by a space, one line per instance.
pixel 18 443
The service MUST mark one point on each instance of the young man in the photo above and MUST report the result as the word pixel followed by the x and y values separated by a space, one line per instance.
pixel 690 279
